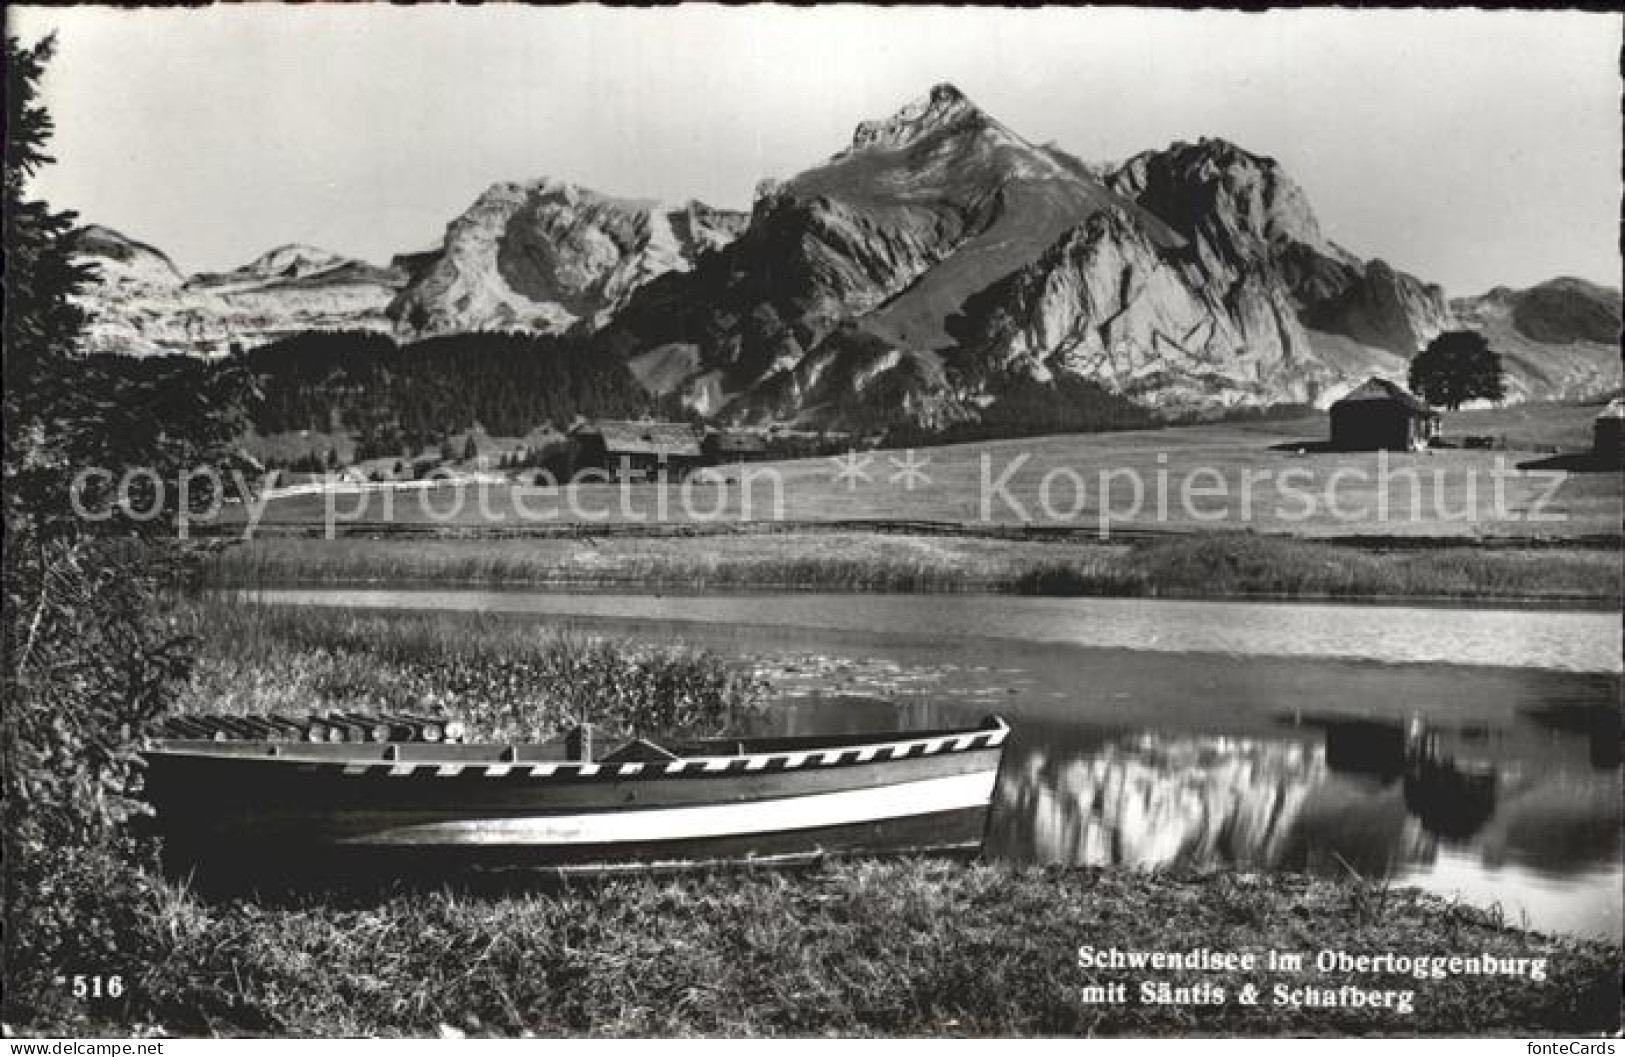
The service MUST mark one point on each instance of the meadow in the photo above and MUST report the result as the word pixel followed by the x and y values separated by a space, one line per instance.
pixel 1267 477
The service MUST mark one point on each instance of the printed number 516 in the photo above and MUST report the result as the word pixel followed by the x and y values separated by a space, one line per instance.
pixel 98 986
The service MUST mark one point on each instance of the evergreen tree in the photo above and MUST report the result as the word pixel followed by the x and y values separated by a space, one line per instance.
pixel 87 661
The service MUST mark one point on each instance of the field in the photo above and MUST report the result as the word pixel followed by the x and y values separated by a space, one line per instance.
pixel 1265 477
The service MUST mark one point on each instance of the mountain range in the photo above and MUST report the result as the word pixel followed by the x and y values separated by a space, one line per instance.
pixel 936 268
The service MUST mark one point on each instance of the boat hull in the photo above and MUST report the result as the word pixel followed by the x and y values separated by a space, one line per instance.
pixel 781 802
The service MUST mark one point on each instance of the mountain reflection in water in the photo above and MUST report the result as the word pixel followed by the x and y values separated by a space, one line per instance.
pixel 1378 798
pixel 1154 800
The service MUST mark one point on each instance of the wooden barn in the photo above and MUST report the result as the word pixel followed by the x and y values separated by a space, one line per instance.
pixel 636 451
pixel 1607 444
pixel 1382 416
pixel 734 445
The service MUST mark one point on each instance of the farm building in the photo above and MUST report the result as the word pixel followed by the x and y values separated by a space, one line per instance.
pixel 636 450
pixel 305 479
pixel 1606 440
pixel 734 445
pixel 1381 415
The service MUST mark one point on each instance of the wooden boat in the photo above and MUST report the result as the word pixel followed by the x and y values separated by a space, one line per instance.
pixel 768 800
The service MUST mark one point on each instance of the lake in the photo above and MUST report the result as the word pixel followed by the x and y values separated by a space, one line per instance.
pixel 1472 753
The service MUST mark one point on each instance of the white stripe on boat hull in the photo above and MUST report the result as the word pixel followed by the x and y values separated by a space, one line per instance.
pixel 814 811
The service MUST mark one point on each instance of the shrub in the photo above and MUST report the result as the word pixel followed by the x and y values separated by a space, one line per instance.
pixel 80 911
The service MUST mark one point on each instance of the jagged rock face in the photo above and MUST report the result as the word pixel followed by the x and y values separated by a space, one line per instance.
pixel 547 255
pixel 1556 340
pixel 1104 304
pixel 415 265
pixel 1241 211
pixel 129 306
pixel 141 305
pixel 1235 208
pixel 1386 309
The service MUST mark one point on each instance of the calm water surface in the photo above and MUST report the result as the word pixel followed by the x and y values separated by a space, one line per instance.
pixel 1259 735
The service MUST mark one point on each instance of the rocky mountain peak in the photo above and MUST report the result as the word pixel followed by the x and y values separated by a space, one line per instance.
pixel 293 261
pixel 140 304
pixel 1214 192
pixel 944 107
pixel 123 259
pixel 546 255
pixel 1224 152
pixel 98 240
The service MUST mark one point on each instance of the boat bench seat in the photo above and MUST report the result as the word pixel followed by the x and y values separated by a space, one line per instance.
pixel 639 750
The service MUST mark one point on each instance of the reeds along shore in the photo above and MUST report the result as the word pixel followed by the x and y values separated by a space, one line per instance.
pixel 504 679
pixel 1220 565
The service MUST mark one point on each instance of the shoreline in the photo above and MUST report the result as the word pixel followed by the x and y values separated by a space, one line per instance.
pixel 1518 603
pixel 1214 566
pixel 398 531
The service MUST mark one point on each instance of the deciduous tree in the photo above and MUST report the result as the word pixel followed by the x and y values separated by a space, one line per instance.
pixel 1457 366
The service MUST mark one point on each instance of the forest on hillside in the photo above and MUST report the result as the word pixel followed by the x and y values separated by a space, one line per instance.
pixel 396 399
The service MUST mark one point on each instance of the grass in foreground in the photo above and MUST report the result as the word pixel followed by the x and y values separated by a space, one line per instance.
pixel 1215 565
pixel 900 948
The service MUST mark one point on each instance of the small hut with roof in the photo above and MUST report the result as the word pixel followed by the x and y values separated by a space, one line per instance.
pixel 1381 415
pixel 636 451
pixel 1606 437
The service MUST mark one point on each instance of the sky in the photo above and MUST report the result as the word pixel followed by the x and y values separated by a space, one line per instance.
pixel 1471 148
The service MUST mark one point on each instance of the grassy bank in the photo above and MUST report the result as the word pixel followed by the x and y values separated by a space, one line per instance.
pixel 902 948
pixel 1215 565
